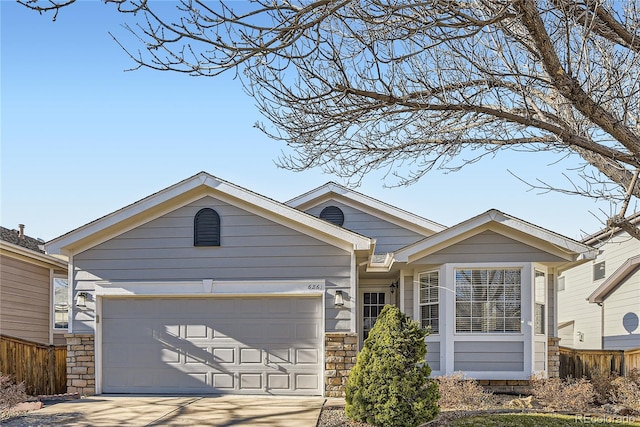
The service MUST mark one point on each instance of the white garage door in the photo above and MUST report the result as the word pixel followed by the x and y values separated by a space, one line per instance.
pixel 248 345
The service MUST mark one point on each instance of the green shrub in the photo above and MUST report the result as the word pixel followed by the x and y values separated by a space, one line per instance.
pixel 390 384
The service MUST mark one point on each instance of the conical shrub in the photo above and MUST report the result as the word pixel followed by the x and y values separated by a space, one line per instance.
pixel 390 384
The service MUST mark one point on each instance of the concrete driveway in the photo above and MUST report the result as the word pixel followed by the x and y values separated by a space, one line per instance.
pixel 113 410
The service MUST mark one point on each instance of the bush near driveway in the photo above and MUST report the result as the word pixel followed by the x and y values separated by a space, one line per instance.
pixel 463 394
pixel 390 384
pixel 10 393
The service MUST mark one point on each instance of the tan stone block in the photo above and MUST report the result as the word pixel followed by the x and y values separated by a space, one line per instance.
pixel 84 358
pixel 339 366
pixel 351 340
pixel 79 383
pixel 334 359
pixel 330 366
pixel 341 353
pixel 335 381
pixel 71 389
pixel 333 346
pixel 78 369
pixel 330 373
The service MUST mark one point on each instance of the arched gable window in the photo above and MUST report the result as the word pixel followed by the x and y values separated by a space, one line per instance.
pixel 206 228
pixel 333 214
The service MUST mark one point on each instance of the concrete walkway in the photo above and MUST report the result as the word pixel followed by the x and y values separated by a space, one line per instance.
pixel 176 410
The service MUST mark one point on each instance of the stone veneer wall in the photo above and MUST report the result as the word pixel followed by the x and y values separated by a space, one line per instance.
pixel 340 357
pixel 553 357
pixel 81 371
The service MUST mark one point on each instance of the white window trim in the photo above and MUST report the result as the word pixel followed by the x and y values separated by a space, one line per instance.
pixel 489 266
pixel 52 314
pixel 449 337
pixel 421 304
pixel 544 303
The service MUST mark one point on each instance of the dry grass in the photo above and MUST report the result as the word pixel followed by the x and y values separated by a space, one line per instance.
pixel 10 393
pixel 555 394
pixel 460 393
pixel 626 391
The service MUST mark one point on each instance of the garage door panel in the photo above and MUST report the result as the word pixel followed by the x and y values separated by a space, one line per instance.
pixel 215 345
pixel 224 355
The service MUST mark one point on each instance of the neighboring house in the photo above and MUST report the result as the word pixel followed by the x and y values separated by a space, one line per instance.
pixel 599 302
pixel 208 287
pixel 33 290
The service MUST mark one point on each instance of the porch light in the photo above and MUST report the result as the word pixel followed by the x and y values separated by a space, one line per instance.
pixel 393 287
pixel 81 300
pixel 338 301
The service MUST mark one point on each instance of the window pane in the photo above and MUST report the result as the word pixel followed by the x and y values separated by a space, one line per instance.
pixel 488 305
pixel 380 298
pixel 374 298
pixel 367 298
pixel 61 303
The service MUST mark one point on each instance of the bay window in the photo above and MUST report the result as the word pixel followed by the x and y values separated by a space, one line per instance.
pixel 488 300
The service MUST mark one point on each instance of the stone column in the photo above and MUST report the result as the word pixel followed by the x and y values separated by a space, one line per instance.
pixel 340 356
pixel 81 373
pixel 553 357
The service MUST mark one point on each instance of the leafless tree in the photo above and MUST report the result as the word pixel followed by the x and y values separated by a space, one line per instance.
pixel 409 86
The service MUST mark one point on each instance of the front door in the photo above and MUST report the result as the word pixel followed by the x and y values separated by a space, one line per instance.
pixel 373 301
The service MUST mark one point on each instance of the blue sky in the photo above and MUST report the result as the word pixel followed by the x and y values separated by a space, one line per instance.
pixel 80 138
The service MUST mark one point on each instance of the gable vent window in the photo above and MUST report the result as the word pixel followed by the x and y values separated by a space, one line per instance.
pixel 333 214
pixel 598 271
pixel 206 228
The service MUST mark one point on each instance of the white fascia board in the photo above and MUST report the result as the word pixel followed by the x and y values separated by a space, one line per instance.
pixel 209 287
pixel 28 255
pixel 368 205
pixel 612 282
pixel 503 224
pixel 59 244
pixel 190 190
pixel 312 226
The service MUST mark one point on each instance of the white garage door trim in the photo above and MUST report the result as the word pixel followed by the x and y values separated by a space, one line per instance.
pixel 205 288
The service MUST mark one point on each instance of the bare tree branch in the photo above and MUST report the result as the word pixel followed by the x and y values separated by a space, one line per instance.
pixel 409 87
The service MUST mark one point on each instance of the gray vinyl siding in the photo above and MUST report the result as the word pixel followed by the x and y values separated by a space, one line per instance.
pixel 488 246
pixel 408 298
pixel 25 300
pixel 252 248
pixel 433 355
pixel 488 356
pixel 579 284
pixel 389 237
pixel 621 313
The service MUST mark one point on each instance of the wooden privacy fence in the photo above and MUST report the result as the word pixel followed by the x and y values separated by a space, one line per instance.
pixel 43 368
pixel 577 363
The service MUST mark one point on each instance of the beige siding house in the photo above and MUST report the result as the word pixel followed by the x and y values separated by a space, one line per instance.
pixel 209 287
pixel 28 280
pixel 599 302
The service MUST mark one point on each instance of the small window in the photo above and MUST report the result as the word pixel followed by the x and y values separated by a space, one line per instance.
pixel 561 284
pixel 60 303
pixel 206 229
pixel 430 301
pixel 598 271
pixel 333 214
pixel 540 285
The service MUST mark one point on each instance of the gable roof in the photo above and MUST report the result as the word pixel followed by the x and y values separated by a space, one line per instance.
pixel 616 279
pixel 501 223
pixel 367 204
pixel 192 189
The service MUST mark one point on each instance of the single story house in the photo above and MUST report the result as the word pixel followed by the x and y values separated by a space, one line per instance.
pixel 208 287
pixel 599 301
